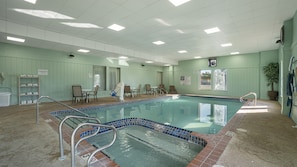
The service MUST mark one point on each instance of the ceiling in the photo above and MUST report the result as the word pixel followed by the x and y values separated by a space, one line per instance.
pixel 250 25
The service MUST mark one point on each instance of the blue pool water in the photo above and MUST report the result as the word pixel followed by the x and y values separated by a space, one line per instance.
pixel 158 132
pixel 138 146
pixel 198 114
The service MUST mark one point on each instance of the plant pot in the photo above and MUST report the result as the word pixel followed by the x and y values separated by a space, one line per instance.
pixel 273 95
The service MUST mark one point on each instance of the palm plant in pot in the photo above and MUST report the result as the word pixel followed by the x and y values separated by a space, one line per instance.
pixel 271 72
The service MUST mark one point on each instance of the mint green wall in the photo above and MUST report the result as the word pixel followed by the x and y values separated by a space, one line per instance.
pixel 63 71
pixel 244 74
pixel 136 74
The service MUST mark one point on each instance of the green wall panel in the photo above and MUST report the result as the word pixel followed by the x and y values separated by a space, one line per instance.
pixel 244 74
pixel 64 71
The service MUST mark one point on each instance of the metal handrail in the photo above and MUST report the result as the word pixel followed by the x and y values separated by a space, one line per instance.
pixel 65 105
pixel 250 93
pixel 62 157
pixel 99 149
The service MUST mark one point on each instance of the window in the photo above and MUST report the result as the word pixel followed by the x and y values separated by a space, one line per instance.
pixel 215 81
pixel 220 79
pixel 99 73
pixel 114 77
pixel 205 79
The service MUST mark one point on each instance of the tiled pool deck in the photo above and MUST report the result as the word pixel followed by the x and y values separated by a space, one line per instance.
pixel 260 133
pixel 216 143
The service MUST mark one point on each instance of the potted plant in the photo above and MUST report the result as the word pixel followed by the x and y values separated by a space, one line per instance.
pixel 271 72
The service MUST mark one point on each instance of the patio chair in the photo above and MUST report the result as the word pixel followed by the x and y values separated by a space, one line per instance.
pixel 94 93
pixel 77 93
pixel 137 90
pixel 127 91
pixel 172 89
pixel 148 89
pixel 162 89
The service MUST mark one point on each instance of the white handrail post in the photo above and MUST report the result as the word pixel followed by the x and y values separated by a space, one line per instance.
pixel 73 146
pixel 251 93
pixel 37 112
pixel 62 157
pixel 106 146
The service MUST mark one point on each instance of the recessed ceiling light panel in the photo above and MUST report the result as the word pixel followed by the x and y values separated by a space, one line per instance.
pixel 31 1
pixel 161 21
pixel 81 25
pixel 234 53
pixel 149 62
pixel 116 27
pixel 178 2
pixel 158 42
pixel 226 44
pixel 182 51
pixel 212 30
pixel 180 31
pixel 123 57
pixel 46 14
pixel 15 39
pixel 83 50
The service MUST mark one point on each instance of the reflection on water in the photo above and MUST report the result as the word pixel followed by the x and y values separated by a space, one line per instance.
pixel 203 115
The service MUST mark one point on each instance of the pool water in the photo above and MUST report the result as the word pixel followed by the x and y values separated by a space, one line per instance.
pixel 198 114
pixel 138 146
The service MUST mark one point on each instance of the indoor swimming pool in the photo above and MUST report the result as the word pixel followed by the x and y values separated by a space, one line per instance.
pixel 199 114
pixel 158 130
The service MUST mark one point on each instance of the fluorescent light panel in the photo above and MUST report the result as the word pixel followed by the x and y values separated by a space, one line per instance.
pixel 212 30
pixel 226 44
pixel 123 57
pixel 46 14
pixel 15 39
pixel 161 21
pixel 116 27
pixel 197 57
pixel 149 62
pixel 158 42
pixel 234 53
pixel 182 51
pixel 31 1
pixel 178 2
pixel 83 50
pixel 180 31
pixel 81 25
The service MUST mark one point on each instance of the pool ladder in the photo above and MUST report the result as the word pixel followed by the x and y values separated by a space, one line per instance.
pixel 248 94
pixel 73 145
